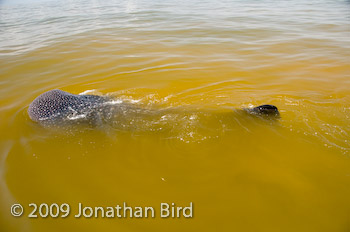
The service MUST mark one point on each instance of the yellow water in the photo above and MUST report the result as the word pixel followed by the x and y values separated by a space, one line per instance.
pixel 201 60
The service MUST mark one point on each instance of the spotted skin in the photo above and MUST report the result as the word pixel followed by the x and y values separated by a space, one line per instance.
pixel 57 105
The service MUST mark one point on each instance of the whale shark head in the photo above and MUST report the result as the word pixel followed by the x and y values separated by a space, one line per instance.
pixel 60 105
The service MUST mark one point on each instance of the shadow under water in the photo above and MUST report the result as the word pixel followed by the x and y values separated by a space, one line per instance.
pixel 62 111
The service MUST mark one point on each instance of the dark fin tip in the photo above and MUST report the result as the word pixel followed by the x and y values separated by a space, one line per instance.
pixel 265 110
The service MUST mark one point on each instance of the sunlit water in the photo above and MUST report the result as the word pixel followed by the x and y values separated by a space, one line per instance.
pixel 195 62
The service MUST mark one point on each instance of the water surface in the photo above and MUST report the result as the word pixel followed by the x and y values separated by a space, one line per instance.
pixel 199 60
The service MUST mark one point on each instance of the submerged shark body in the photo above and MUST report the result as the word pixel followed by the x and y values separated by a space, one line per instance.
pixel 57 107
